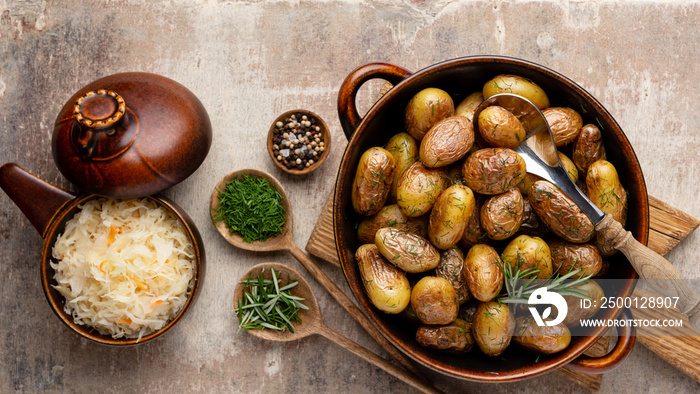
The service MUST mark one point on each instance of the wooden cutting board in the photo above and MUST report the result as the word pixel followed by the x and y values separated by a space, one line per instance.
pixel 668 226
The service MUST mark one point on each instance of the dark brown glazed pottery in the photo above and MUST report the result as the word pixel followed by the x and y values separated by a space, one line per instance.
pixel 48 208
pixel 131 135
pixel 326 138
pixel 460 77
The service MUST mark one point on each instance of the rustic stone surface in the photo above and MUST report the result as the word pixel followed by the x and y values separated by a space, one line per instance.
pixel 248 61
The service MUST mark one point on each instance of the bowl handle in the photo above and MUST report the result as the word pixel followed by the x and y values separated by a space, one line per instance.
pixel 38 200
pixel 623 347
pixel 347 111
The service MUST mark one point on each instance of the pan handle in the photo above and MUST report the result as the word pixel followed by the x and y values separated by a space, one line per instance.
pixel 38 200
pixel 347 111
pixel 623 347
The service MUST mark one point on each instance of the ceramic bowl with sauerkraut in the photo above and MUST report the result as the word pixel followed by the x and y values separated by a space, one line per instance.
pixel 121 271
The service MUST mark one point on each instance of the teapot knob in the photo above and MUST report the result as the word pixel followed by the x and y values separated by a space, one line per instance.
pixel 99 109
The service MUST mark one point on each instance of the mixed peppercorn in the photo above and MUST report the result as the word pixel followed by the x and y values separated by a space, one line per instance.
pixel 298 141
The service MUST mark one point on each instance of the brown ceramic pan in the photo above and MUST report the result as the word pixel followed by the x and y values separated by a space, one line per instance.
pixel 460 77
pixel 48 208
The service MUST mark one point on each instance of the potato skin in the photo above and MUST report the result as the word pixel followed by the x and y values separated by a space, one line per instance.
pixel 386 286
pixel 373 179
pixel 474 233
pixel 502 214
pixel 426 108
pixel 493 327
pixel 559 213
pixel 605 190
pixel 526 252
pixel 482 272
pixel 391 216
pixel 574 311
pixel 565 124
pixel 434 300
pixel 567 257
pixel 404 148
pixel 409 252
pixel 447 142
pixel 493 170
pixel 507 83
pixel 467 106
pixel 588 148
pixel 569 166
pixel 419 187
pixel 450 267
pixel 455 338
pixel 499 127
pixel 450 215
pixel 547 339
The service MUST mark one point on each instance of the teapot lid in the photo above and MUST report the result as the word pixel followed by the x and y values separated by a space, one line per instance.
pixel 131 135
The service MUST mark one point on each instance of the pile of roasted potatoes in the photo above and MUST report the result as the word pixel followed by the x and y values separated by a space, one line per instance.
pixel 441 216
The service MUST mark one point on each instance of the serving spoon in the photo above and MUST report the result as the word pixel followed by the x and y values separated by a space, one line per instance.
pixel 541 158
pixel 312 323
pixel 285 241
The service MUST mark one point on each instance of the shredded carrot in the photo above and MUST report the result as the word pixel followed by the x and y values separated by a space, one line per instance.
pixel 113 231
pixel 124 321
pixel 139 284
pixel 101 264
pixel 156 302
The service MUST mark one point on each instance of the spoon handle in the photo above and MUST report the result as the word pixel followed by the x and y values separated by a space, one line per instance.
pixel 350 307
pixel 374 359
pixel 656 270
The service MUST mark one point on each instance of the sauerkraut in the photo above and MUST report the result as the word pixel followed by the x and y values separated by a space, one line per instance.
pixel 125 267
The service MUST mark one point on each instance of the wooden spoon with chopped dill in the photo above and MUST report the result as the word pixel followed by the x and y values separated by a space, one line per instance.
pixel 272 281
pixel 251 207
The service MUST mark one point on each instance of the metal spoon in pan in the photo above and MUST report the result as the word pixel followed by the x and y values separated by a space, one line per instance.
pixel 312 323
pixel 540 154
pixel 285 241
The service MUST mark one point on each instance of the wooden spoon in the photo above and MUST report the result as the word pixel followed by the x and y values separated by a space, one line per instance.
pixel 285 241
pixel 312 323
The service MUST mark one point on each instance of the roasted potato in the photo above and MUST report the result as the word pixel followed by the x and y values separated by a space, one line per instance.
pixel 493 170
pixel 373 179
pixel 426 108
pixel 474 233
pixel 605 190
pixel 567 257
pixel 541 339
pixel 450 268
pixel 404 148
pixel 575 311
pixel 588 148
pixel 482 272
pixel 499 127
pixel 450 215
pixel 391 216
pixel 386 286
pixel 434 300
pixel 559 213
pixel 455 337
pixel 525 252
pixel 412 253
pixel 525 185
pixel 569 166
pixel 531 223
pixel 565 124
pixel 467 106
pixel 502 214
pixel 419 187
pixel 516 85
pixel 493 327
pixel 447 142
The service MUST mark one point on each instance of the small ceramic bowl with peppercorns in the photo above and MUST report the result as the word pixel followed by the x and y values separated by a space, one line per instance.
pixel 298 141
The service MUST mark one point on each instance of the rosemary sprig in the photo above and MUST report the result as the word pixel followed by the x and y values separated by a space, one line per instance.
pixel 265 304
pixel 519 284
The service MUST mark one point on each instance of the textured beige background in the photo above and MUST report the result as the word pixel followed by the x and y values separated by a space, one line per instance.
pixel 251 60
